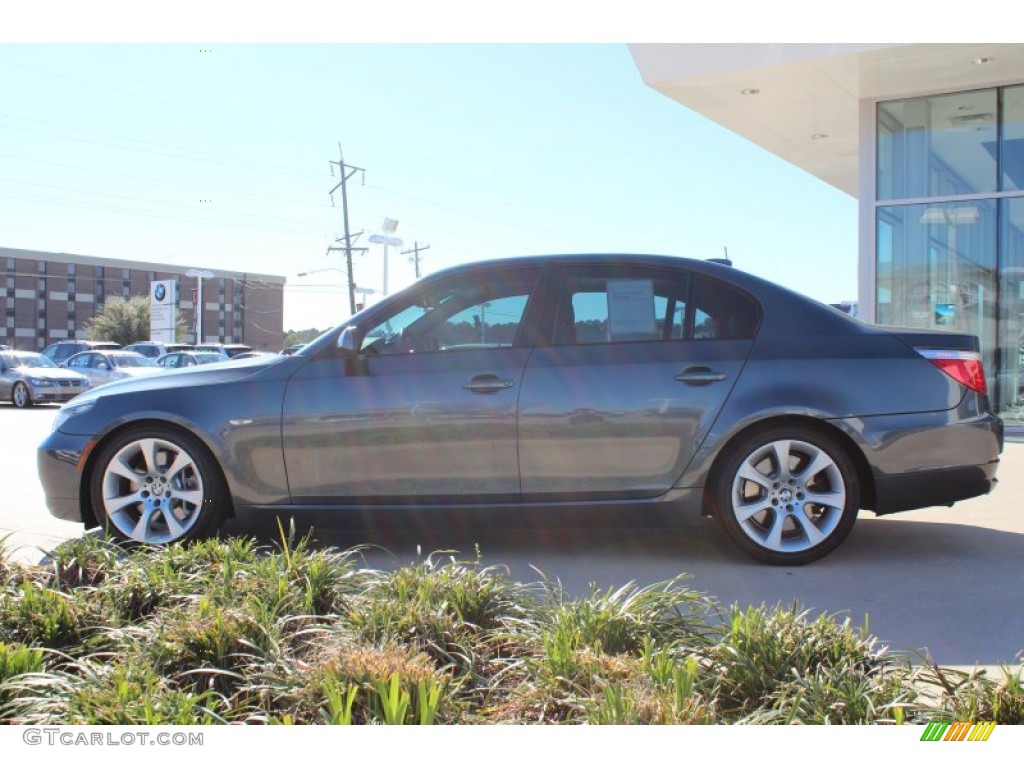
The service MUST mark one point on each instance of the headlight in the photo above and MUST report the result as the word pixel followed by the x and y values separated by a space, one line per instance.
pixel 70 410
pixel 40 382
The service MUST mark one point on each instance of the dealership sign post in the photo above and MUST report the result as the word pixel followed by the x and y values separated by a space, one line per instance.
pixel 163 303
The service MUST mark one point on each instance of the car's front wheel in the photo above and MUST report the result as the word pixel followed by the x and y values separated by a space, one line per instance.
pixel 20 396
pixel 787 495
pixel 157 485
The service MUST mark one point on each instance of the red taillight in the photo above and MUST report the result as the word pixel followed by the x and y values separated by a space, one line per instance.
pixel 965 367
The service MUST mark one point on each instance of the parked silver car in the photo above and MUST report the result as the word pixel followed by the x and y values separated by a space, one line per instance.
pixel 188 358
pixel 617 382
pixel 155 349
pixel 28 378
pixel 103 367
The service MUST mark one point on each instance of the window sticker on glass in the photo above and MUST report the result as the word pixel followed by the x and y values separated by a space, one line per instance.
pixel 631 310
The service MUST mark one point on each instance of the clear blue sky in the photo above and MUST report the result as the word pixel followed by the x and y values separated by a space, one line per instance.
pixel 478 150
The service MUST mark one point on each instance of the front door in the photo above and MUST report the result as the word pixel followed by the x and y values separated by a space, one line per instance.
pixel 426 411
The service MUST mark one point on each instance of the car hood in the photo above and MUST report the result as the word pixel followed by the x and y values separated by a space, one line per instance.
pixel 199 375
pixel 48 373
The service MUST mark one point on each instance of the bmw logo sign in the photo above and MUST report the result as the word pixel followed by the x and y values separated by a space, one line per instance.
pixel 160 292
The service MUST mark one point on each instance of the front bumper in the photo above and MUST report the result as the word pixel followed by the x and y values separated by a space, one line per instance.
pixel 60 392
pixel 59 459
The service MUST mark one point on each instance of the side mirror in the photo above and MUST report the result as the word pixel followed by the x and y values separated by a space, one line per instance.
pixel 348 341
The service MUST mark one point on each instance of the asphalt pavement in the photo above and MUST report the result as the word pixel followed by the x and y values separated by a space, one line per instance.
pixel 944 583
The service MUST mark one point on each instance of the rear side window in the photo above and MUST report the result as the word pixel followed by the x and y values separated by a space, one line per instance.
pixel 721 312
pixel 615 305
pixel 606 305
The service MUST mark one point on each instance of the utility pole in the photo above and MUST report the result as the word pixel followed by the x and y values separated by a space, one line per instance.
pixel 415 259
pixel 347 248
pixel 346 172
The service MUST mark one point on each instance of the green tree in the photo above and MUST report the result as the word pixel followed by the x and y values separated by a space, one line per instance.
pixel 301 337
pixel 126 321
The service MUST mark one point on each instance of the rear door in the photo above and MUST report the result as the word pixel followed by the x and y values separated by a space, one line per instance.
pixel 639 363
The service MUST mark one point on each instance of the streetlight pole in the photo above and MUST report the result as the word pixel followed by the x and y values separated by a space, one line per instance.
pixel 200 275
pixel 389 226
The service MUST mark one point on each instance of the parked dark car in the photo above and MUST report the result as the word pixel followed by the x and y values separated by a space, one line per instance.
pixel 29 378
pixel 620 382
pixel 60 351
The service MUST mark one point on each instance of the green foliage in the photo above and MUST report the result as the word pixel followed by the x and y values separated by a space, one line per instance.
pixel 300 337
pixel 764 650
pixel 972 696
pixel 126 321
pixel 229 631
pixel 38 615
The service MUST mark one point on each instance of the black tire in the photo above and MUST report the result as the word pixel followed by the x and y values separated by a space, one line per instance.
pixel 791 510
pixel 20 396
pixel 154 484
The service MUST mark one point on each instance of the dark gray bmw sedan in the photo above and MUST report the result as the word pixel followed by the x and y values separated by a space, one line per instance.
pixel 606 381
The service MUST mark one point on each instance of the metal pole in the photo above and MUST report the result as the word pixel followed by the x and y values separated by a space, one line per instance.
pixel 348 237
pixel 199 316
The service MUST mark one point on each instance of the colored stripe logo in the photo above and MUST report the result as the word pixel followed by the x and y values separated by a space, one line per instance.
pixel 941 731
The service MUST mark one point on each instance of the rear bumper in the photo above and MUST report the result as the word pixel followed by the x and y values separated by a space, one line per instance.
pixel 929 459
pixel 933 488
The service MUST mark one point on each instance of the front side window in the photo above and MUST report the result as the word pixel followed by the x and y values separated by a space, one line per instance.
pixel 469 312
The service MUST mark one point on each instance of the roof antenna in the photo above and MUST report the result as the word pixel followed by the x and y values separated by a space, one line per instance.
pixel 726 261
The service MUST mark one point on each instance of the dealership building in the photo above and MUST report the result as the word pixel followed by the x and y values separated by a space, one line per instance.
pixel 46 297
pixel 928 138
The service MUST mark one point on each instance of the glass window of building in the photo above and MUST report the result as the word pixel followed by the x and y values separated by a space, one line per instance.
pixel 1011 317
pixel 937 146
pixel 949 224
pixel 1011 142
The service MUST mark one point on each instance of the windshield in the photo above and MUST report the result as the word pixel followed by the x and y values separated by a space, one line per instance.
pixel 27 360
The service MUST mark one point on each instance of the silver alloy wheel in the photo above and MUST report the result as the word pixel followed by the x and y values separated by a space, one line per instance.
pixel 21 397
pixel 788 496
pixel 152 491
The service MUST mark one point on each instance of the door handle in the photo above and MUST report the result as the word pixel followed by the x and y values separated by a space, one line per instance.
pixel 700 376
pixel 486 384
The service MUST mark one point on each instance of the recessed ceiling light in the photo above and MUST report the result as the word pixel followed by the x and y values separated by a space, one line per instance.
pixel 982 60
pixel 749 92
pixel 819 136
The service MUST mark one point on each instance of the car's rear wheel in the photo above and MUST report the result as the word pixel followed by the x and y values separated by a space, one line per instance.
pixel 20 396
pixel 157 485
pixel 787 495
